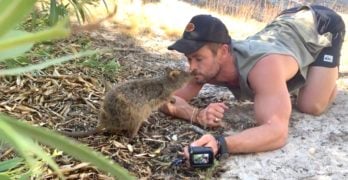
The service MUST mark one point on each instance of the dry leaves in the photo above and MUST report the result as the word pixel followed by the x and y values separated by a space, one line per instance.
pixel 67 97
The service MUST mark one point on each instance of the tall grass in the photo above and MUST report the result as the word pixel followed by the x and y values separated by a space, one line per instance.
pixel 247 9
pixel 261 10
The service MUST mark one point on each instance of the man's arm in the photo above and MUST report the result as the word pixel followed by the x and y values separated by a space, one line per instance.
pixel 210 116
pixel 272 107
pixel 181 108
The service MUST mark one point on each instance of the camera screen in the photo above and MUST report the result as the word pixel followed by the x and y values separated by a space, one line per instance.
pixel 201 158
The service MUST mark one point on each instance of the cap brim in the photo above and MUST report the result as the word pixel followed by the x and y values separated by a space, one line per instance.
pixel 186 46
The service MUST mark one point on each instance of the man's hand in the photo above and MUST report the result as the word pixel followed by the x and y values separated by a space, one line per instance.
pixel 207 140
pixel 174 105
pixel 212 115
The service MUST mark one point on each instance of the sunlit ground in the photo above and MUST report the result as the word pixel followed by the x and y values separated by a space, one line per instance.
pixel 169 18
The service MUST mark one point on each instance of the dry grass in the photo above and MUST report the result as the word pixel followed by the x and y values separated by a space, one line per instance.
pixel 246 9
pixel 168 18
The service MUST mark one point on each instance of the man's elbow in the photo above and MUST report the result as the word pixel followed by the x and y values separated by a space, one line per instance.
pixel 282 139
pixel 281 133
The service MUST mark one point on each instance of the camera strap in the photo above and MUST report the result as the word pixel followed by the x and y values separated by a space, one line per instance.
pixel 178 162
pixel 222 151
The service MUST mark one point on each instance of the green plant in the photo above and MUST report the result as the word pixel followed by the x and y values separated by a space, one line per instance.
pixel 24 144
pixel 59 9
pixel 109 68
pixel 23 137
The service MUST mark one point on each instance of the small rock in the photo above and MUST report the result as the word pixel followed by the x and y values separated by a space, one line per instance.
pixel 312 151
pixel 175 137
pixel 130 148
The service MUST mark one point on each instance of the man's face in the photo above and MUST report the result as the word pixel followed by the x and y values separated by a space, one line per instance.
pixel 204 64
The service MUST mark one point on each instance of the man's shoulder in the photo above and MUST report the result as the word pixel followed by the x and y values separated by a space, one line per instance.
pixel 274 59
pixel 272 66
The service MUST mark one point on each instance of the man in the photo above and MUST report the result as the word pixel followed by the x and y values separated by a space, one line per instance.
pixel 300 50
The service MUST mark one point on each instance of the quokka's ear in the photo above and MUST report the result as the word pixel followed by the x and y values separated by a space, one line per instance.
pixel 107 85
pixel 168 70
pixel 174 74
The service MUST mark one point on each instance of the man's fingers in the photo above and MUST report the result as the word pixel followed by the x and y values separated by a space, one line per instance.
pixel 199 142
pixel 217 123
pixel 202 141
pixel 214 116
pixel 222 105
pixel 208 141
pixel 214 112
pixel 185 152
pixel 219 107
pixel 213 144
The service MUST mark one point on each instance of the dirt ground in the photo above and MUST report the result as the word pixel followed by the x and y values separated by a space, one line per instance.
pixel 69 96
pixel 317 147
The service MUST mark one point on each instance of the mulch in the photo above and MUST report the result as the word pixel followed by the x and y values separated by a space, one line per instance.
pixel 68 96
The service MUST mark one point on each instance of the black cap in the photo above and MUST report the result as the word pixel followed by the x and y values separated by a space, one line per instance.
pixel 200 30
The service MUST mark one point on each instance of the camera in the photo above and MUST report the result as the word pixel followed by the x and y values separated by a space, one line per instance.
pixel 201 157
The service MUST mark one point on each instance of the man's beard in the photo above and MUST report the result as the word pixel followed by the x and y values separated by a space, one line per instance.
pixel 202 78
pixel 206 78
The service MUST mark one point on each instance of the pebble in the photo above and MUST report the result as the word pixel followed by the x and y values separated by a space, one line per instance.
pixel 312 151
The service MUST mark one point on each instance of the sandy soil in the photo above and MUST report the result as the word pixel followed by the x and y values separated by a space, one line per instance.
pixel 317 146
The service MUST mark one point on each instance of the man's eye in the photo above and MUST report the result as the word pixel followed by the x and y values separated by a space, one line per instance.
pixel 199 59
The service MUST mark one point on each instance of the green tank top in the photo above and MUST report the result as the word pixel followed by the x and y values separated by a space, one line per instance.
pixel 289 34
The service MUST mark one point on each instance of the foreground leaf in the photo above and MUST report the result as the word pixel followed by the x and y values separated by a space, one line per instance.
pixel 12 12
pixel 20 70
pixel 10 164
pixel 57 32
pixel 17 50
pixel 69 146
pixel 31 151
pixel 4 177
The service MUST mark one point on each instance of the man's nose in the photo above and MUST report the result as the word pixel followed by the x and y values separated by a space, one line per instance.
pixel 193 66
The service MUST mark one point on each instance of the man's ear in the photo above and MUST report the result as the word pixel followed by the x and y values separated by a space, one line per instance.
pixel 225 49
pixel 223 52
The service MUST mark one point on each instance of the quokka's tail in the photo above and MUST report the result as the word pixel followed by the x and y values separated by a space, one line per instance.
pixel 80 133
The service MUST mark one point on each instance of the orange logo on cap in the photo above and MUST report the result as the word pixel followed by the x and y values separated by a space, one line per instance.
pixel 190 27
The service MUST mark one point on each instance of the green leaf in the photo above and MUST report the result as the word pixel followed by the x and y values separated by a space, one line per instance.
pixel 24 176
pixel 77 7
pixel 12 12
pixel 69 146
pixel 56 32
pixel 25 146
pixel 10 164
pixel 8 134
pixel 17 50
pixel 4 177
pixel 53 17
pixel 20 70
